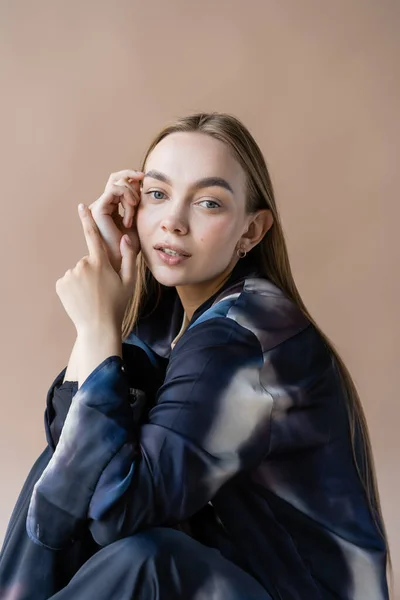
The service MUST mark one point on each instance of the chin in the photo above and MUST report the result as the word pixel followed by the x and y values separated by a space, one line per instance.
pixel 170 278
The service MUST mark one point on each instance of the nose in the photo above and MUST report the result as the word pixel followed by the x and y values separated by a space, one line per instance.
pixel 175 221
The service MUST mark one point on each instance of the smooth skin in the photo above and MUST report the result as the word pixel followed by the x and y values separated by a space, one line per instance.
pixel 95 297
pixel 170 203
pixel 209 222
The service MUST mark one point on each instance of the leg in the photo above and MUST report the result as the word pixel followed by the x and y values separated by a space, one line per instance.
pixel 160 564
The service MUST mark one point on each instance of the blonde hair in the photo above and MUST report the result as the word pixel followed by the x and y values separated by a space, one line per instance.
pixel 273 260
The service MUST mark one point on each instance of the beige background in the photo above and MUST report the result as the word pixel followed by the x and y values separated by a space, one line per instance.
pixel 85 85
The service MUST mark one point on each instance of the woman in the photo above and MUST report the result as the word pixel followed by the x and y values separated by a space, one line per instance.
pixel 221 450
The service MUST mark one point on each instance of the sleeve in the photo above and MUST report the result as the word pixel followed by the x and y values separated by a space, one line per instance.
pixel 58 400
pixel 21 506
pixel 143 384
pixel 210 422
pixel 59 394
pixel 57 409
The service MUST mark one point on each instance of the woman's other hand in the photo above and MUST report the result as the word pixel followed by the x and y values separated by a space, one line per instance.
pixel 122 188
pixel 93 294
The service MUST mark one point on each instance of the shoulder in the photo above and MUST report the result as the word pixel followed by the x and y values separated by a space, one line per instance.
pixel 257 306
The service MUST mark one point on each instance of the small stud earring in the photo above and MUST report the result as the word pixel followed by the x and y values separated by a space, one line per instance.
pixel 241 253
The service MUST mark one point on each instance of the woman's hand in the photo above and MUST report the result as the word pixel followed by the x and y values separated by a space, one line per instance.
pixel 93 294
pixel 123 188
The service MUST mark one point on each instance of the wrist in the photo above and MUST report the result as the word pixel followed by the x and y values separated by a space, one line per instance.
pixel 71 373
pixel 95 345
pixel 99 340
pixel 102 331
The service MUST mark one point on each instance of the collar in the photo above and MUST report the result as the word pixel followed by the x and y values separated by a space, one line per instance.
pixel 162 324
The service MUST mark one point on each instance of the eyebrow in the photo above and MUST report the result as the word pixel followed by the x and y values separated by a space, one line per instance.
pixel 201 183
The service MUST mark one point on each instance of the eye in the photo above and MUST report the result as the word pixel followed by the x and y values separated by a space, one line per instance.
pixel 155 192
pixel 216 205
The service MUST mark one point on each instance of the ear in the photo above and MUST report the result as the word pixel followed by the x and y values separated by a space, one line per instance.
pixel 260 222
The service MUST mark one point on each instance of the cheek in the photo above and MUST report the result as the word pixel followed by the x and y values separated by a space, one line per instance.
pixel 217 234
pixel 143 221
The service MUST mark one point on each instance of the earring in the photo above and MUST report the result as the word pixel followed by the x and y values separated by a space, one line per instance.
pixel 241 253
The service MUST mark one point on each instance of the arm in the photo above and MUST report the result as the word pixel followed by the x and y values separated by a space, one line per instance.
pixel 210 422
pixel 89 350
pixel 86 351
pixel 94 347
pixel 71 373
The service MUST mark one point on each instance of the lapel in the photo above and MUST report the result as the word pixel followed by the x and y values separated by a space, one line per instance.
pixel 155 331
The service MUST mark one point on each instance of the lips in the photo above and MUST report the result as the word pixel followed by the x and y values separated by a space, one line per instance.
pixel 176 249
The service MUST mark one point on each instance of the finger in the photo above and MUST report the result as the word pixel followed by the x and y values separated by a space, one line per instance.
pixel 128 263
pixel 114 195
pixel 92 233
pixel 129 200
pixel 125 174
pixel 121 189
pixel 122 192
pixel 133 189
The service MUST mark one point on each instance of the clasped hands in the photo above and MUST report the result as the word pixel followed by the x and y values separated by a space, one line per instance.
pixel 95 293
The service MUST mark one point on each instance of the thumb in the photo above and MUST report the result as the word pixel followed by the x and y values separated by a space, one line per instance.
pixel 128 264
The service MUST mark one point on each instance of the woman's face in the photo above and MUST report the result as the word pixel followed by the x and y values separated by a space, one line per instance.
pixel 192 201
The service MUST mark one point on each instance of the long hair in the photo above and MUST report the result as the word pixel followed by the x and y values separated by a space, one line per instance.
pixel 273 262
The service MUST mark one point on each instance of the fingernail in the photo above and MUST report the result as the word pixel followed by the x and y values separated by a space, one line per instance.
pixel 128 240
pixel 81 207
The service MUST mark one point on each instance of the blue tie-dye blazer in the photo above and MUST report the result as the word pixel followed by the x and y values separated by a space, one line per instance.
pixel 239 435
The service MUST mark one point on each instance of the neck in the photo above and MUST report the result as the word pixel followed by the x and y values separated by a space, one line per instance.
pixel 193 296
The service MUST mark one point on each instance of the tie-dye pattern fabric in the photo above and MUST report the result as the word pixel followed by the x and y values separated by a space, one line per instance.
pixel 238 436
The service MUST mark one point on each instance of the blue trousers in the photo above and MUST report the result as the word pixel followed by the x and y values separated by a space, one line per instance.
pixel 160 564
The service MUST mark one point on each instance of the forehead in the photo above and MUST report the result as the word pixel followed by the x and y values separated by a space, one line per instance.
pixel 186 157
